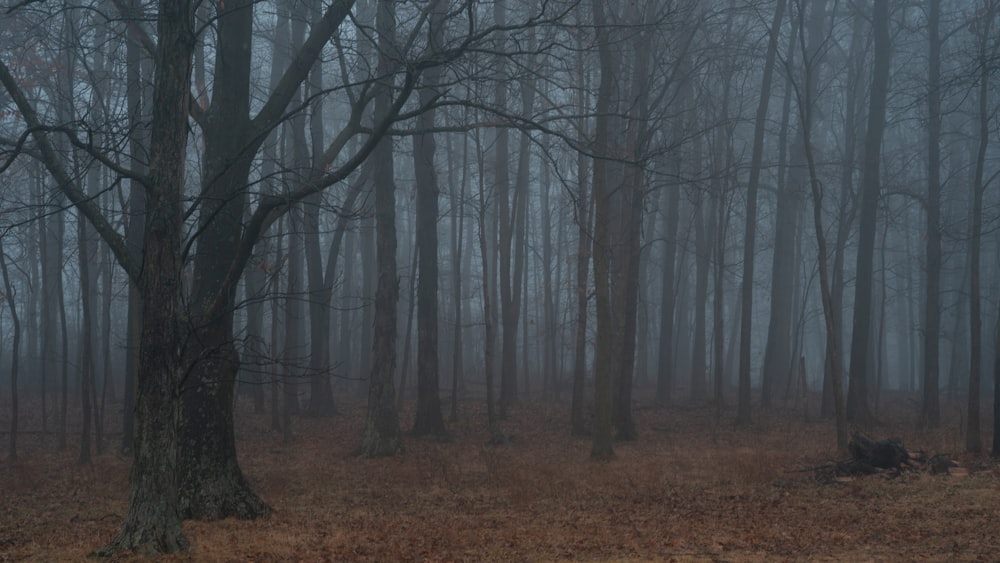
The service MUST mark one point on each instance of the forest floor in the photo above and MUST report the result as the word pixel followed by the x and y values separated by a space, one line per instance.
pixel 690 489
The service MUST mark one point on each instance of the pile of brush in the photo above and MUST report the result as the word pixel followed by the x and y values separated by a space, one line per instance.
pixel 888 456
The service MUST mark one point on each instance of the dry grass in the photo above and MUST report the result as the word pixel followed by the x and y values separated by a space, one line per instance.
pixel 689 490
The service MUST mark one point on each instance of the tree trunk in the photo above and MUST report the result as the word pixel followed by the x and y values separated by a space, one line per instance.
pixel 381 435
pixel 211 483
pixel 408 332
pixel 750 231
pixel 501 189
pixel 625 286
pixel 584 219
pixel 930 412
pixel 829 316
pixel 987 52
pixel 858 409
pixel 458 226
pixel 602 445
pixel 777 350
pixel 319 286
pixel 549 327
pixel 665 370
pixel 292 359
pixel 703 247
pixel 15 355
pixel 995 452
pixel 153 522
pixel 847 203
pixel 138 97
pixel 428 418
pixel 489 344
pixel 86 338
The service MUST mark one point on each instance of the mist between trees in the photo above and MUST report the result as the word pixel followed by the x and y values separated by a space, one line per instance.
pixel 747 203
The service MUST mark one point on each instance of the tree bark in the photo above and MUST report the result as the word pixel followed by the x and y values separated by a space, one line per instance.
pixel 211 483
pixel 381 435
pixel 153 522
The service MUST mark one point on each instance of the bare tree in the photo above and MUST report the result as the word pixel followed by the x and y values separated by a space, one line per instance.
pixel 858 408
pixel 750 231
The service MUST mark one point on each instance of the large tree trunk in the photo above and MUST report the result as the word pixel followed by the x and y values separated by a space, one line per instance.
pixel 858 409
pixel 428 418
pixel 153 522
pixel 211 483
pixel 211 477
pixel 381 435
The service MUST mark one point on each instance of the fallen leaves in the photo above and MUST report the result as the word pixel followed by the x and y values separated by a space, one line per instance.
pixel 698 492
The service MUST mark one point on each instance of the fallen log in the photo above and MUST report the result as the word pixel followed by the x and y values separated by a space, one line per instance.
pixel 870 456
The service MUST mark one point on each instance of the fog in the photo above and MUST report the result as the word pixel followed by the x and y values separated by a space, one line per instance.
pixel 757 205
